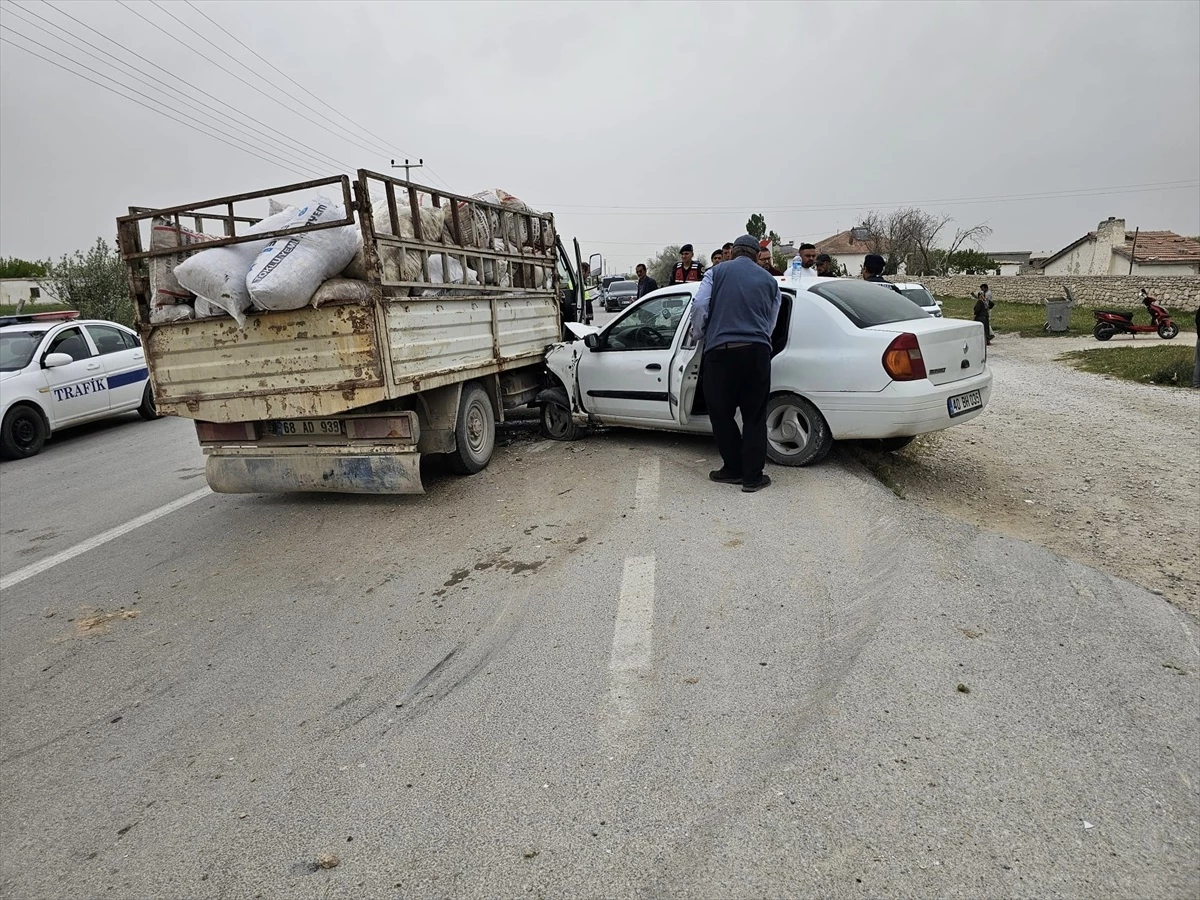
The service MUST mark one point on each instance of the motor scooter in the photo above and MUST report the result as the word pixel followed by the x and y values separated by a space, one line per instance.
pixel 1113 321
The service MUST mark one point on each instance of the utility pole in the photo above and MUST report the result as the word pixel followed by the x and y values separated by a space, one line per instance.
pixel 408 165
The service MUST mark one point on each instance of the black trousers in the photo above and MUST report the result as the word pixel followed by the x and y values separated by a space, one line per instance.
pixel 735 379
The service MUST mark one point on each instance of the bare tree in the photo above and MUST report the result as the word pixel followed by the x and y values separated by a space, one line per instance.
pixel 910 236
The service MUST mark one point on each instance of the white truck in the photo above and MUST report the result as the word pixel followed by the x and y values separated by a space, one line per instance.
pixel 404 361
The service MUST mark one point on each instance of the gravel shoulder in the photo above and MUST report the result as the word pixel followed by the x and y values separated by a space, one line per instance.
pixel 1103 471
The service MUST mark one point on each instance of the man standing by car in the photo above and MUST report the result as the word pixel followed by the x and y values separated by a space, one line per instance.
pixel 588 291
pixel 734 311
pixel 983 310
pixel 764 260
pixel 686 270
pixel 825 266
pixel 646 284
pixel 716 257
pixel 872 268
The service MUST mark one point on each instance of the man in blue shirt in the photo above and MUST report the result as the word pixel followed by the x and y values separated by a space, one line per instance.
pixel 734 312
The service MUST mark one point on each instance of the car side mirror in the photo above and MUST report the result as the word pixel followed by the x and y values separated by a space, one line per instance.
pixel 55 360
pixel 592 341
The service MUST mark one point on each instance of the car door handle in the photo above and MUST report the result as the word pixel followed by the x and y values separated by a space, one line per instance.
pixel 654 367
pixel 93 367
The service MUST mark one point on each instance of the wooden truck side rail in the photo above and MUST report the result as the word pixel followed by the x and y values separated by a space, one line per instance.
pixel 346 355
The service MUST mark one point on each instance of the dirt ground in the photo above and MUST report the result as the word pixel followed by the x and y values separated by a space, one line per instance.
pixel 1106 472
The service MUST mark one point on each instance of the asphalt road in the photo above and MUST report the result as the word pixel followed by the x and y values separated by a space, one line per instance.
pixel 584 672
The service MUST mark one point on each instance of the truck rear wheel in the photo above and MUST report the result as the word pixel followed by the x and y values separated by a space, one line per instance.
pixel 475 431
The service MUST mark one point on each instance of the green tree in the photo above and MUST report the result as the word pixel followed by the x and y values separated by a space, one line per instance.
pixel 968 262
pixel 660 267
pixel 93 283
pixel 756 225
pixel 12 267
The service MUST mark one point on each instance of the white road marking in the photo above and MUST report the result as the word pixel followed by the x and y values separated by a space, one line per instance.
pixel 646 492
pixel 99 540
pixel 633 639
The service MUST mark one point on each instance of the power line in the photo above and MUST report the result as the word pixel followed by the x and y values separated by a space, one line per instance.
pixel 264 140
pixel 340 133
pixel 1009 198
pixel 382 141
pixel 153 109
pixel 184 44
pixel 256 124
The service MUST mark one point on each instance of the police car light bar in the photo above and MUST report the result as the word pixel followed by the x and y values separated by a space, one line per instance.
pixel 60 316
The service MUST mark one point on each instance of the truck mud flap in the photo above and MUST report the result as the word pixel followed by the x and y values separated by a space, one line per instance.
pixel 367 473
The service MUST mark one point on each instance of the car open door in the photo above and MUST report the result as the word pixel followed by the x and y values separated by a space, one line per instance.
pixel 684 385
pixel 624 374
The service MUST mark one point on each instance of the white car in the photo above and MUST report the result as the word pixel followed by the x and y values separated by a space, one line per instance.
pixel 851 360
pixel 920 296
pixel 57 370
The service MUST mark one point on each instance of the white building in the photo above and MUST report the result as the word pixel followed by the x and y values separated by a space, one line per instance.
pixel 1111 250
pixel 847 251
pixel 30 290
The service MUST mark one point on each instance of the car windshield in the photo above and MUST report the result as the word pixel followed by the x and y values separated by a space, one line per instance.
pixel 17 349
pixel 919 296
pixel 867 304
pixel 623 287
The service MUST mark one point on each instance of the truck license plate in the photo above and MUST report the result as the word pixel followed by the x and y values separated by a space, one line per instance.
pixel 301 427
pixel 964 403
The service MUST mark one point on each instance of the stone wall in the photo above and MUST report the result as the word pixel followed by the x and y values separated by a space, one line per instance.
pixel 1177 293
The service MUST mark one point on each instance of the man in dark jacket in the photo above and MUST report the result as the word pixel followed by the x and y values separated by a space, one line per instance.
pixel 872 268
pixel 983 310
pixel 646 284
pixel 734 311
pixel 686 269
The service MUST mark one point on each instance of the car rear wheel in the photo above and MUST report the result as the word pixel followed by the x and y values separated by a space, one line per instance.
pixel 475 433
pixel 148 410
pixel 23 433
pixel 797 434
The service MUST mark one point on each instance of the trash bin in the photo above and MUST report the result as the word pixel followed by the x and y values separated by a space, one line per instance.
pixel 1058 315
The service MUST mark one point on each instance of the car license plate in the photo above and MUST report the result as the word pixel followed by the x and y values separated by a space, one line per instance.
pixel 301 427
pixel 964 403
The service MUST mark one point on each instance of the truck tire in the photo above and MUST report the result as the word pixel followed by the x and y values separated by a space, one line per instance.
pixel 23 432
pixel 475 431
pixel 148 410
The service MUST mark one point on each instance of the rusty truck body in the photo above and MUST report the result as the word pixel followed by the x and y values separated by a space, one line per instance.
pixel 349 396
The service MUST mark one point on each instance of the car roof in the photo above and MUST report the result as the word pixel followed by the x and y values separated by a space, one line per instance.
pixel 44 325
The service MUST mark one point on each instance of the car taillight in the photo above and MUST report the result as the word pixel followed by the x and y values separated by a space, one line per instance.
pixel 902 359
pixel 231 431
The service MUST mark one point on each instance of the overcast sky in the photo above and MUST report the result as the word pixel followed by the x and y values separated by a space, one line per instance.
pixel 637 124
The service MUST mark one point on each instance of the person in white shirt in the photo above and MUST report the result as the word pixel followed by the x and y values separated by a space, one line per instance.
pixel 808 261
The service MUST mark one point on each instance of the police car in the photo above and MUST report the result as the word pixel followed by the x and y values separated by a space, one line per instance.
pixel 57 370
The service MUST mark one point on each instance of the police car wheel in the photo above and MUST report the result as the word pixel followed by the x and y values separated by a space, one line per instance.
pixel 148 410
pixel 22 434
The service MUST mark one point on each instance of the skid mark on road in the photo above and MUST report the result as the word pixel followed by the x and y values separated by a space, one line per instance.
pixel 99 540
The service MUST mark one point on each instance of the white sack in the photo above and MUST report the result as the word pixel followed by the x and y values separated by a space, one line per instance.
pixel 396 264
pixel 165 289
pixel 456 277
pixel 343 290
pixel 219 274
pixel 204 309
pixel 288 271
pixel 175 312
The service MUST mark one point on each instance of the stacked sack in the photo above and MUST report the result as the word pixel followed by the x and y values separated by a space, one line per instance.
pixel 279 274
